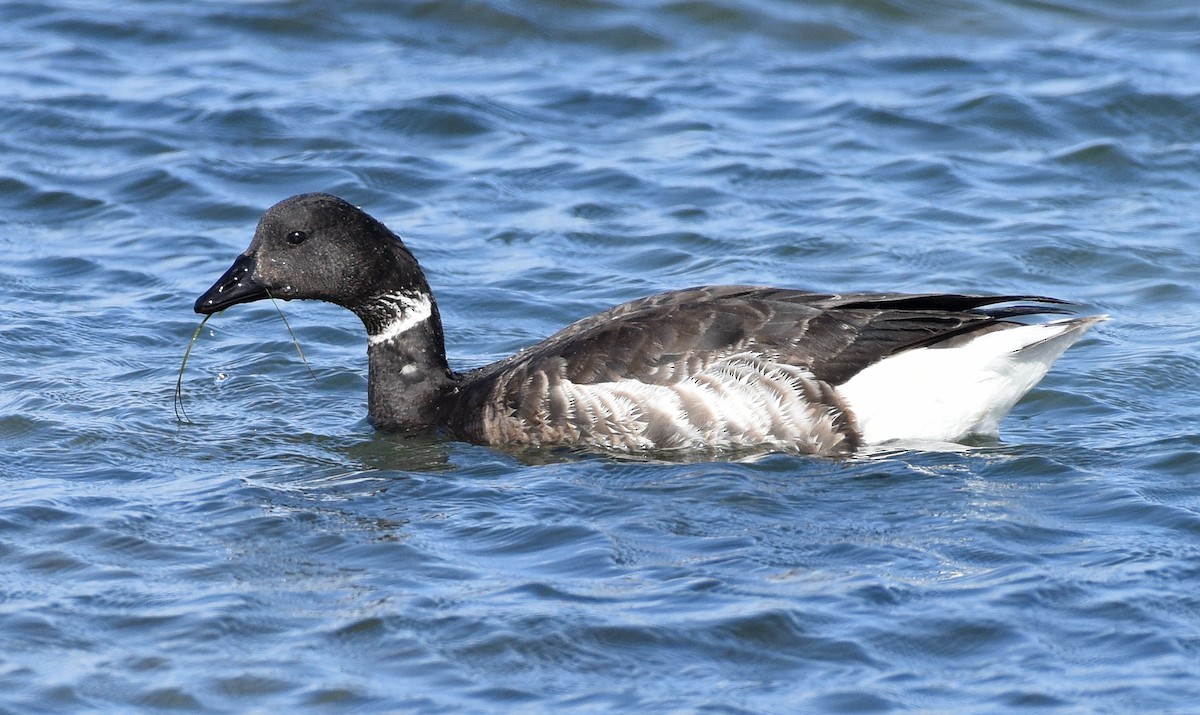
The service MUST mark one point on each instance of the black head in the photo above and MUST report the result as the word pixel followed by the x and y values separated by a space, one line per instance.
pixel 320 247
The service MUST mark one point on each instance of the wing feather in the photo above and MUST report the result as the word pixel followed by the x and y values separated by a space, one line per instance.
pixel 665 338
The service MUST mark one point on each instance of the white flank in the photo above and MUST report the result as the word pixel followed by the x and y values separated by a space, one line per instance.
pixel 739 401
pixel 947 394
pixel 412 309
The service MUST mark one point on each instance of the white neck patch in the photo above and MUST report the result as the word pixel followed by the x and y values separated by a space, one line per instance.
pixel 411 310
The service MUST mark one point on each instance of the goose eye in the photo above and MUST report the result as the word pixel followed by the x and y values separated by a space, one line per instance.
pixel 296 237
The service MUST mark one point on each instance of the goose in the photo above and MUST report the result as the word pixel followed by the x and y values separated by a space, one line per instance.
pixel 708 368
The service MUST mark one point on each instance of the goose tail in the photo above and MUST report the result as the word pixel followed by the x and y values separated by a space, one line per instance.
pixel 948 393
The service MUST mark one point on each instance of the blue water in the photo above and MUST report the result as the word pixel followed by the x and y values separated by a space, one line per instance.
pixel 546 159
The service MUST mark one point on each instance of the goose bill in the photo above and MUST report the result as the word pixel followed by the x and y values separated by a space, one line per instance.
pixel 238 285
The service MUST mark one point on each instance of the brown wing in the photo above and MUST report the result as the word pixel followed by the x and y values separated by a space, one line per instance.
pixel 664 338
pixel 835 336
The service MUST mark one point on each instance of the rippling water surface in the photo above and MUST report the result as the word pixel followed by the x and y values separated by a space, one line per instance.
pixel 546 159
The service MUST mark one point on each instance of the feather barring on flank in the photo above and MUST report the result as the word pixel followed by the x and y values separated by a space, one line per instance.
pixel 710 368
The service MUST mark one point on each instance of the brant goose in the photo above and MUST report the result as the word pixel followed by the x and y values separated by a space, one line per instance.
pixel 711 368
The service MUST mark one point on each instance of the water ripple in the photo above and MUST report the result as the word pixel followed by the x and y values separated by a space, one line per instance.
pixel 544 160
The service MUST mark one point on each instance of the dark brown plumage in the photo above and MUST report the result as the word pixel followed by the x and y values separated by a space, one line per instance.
pixel 702 368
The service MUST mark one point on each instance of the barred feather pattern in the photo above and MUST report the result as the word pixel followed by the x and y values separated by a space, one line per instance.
pixel 739 400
